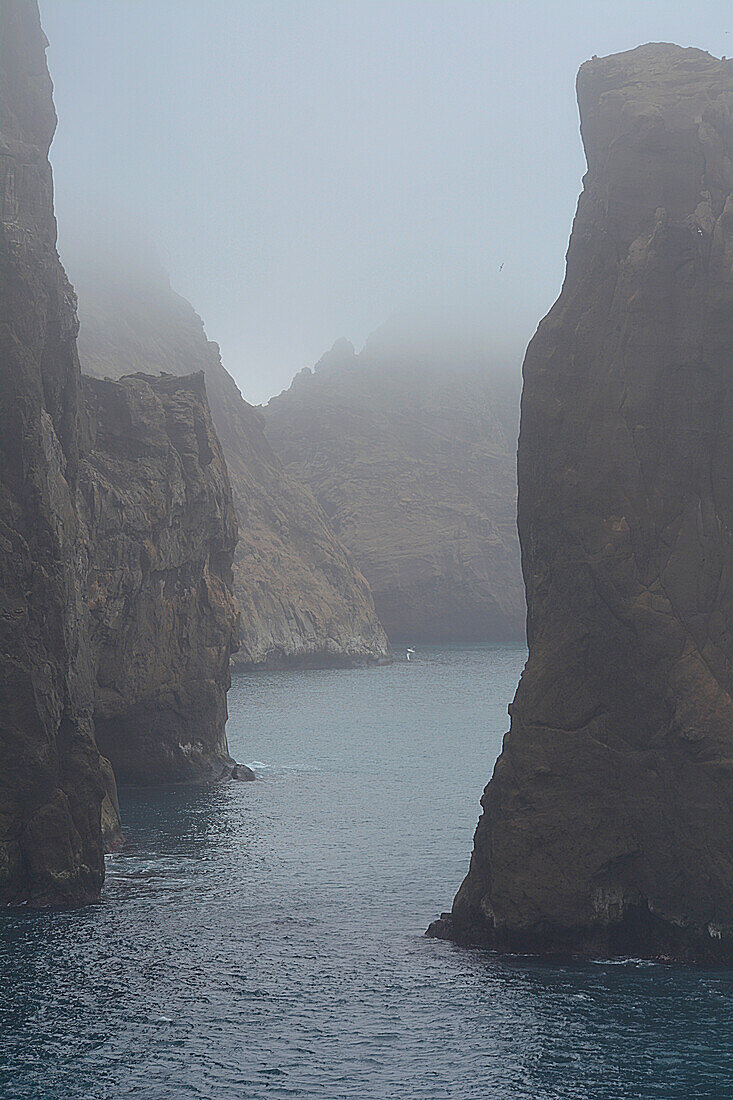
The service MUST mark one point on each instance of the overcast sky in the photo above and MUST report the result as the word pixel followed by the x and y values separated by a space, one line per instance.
pixel 307 167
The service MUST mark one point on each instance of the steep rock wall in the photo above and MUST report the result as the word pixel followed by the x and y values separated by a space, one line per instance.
pixel 131 504
pixel 164 622
pixel 52 782
pixel 302 600
pixel 608 824
pixel 411 451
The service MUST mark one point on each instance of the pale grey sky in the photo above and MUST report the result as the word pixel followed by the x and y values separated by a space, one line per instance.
pixel 307 167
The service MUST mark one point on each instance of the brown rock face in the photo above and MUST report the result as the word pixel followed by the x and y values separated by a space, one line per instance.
pixel 411 452
pixel 608 823
pixel 164 622
pixel 302 600
pixel 51 779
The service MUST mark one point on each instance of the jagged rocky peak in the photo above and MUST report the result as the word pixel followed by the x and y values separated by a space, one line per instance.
pixel 52 780
pixel 410 448
pixel 302 600
pixel 162 528
pixel 608 824
pixel 341 354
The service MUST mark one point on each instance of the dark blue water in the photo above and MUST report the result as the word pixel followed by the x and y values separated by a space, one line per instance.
pixel 265 940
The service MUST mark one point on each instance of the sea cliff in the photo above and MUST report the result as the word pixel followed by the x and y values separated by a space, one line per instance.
pixel 52 780
pixel 303 601
pixel 163 623
pixel 608 824
pixel 410 448
pixel 117 534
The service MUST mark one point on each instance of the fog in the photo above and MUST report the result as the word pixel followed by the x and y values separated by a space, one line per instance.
pixel 304 170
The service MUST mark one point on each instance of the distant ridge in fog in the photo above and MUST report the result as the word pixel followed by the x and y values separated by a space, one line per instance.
pixel 410 448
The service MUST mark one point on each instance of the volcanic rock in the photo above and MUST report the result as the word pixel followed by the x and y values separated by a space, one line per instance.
pixel 52 783
pixel 164 622
pixel 410 448
pixel 302 600
pixel 608 824
pixel 243 773
pixel 127 500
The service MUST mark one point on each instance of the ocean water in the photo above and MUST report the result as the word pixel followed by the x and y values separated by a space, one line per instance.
pixel 266 939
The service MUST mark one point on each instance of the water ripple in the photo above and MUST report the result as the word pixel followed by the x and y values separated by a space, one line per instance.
pixel 265 939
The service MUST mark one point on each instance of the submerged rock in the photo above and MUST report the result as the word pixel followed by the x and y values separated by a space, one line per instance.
pixel 52 783
pixel 302 600
pixel 608 824
pixel 164 621
pixel 243 773
pixel 410 447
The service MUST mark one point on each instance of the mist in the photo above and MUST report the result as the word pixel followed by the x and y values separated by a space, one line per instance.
pixel 366 641
pixel 304 171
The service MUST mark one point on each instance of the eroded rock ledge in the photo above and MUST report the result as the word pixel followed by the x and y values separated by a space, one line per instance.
pixel 608 824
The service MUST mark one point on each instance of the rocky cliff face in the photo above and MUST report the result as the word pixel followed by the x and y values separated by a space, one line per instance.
pixel 302 600
pixel 608 824
pixel 125 503
pixel 411 452
pixel 162 531
pixel 52 782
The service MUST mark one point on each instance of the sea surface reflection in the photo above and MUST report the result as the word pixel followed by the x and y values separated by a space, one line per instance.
pixel 266 939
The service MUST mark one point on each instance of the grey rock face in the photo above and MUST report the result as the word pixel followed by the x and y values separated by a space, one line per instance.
pixel 302 600
pixel 608 823
pixel 411 451
pixel 51 779
pixel 162 529
pixel 127 500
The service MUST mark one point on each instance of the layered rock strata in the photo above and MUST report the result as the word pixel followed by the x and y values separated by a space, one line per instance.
pixel 411 451
pixel 302 600
pixel 52 782
pixel 608 824
pixel 162 532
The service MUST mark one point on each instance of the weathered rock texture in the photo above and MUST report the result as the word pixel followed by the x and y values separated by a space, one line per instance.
pixel 302 600
pixel 52 782
pixel 608 823
pixel 411 451
pixel 163 618
pixel 127 500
